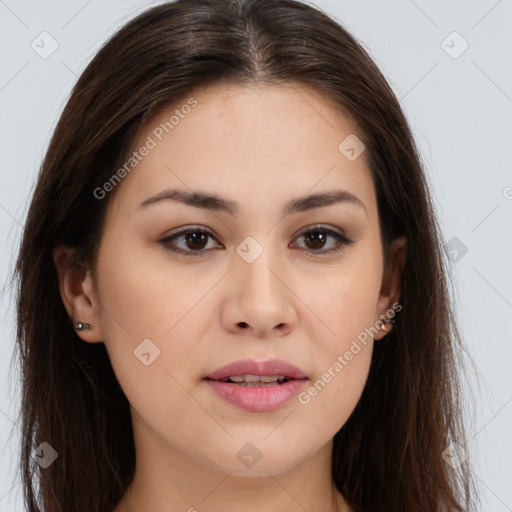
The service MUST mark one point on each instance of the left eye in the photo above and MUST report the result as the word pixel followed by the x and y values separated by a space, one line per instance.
pixel 196 241
pixel 318 237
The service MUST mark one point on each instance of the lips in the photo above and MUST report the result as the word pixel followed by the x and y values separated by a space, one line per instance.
pixel 249 367
pixel 257 386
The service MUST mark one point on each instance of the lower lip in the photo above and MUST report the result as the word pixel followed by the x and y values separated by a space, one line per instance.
pixel 257 398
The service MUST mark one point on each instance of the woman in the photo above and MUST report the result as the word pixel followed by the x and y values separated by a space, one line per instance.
pixel 232 293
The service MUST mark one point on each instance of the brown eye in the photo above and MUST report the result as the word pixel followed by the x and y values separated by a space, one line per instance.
pixel 191 241
pixel 196 240
pixel 317 238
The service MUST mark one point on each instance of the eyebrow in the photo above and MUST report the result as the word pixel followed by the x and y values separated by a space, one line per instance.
pixel 219 204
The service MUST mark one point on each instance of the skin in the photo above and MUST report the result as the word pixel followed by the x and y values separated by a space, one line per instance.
pixel 259 146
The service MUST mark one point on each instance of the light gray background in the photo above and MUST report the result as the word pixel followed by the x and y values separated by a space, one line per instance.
pixel 459 109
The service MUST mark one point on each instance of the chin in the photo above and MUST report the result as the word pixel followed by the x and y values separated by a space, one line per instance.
pixel 259 458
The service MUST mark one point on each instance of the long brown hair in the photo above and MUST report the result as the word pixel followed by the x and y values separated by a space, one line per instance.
pixel 388 455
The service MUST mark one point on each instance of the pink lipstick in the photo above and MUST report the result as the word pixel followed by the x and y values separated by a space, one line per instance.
pixel 257 386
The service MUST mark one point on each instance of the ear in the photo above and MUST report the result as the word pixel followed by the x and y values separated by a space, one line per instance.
pixel 391 282
pixel 77 292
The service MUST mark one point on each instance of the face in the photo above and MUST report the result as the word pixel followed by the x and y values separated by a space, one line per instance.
pixel 183 287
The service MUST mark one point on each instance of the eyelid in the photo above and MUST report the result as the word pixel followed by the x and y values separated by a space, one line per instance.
pixel 319 227
pixel 190 228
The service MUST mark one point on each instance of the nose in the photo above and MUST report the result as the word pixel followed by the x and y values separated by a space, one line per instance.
pixel 258 298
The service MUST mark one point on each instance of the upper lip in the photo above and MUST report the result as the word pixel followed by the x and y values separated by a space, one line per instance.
pixel 262 368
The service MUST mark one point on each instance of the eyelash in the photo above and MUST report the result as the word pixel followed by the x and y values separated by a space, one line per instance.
pixel 341 239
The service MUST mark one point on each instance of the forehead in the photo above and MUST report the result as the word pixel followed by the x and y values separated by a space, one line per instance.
pixel 258 141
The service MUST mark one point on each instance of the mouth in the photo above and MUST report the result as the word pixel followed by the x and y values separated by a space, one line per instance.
pixel 250 381
pixel 257 386
pixel 249 371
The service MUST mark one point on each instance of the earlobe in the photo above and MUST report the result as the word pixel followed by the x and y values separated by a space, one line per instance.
pixel 77 293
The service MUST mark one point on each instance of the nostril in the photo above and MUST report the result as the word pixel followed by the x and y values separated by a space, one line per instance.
pixel 242 324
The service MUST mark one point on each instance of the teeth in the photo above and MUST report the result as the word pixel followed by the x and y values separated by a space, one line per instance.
pixel 257 384
pixel 256 378
pixel 237 378
pixel 271 378
pixel 251 378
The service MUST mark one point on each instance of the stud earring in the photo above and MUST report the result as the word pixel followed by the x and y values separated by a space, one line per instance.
pixel 387 325
pixel 80 326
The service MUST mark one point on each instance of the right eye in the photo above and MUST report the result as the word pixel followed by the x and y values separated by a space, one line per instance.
pixel 195 240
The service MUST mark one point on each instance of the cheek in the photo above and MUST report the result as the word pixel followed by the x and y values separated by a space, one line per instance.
pixel 140 298
pixel 148 315
pixel 143 318
pixel 335 389
pixel 346 304
pixel 345 300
